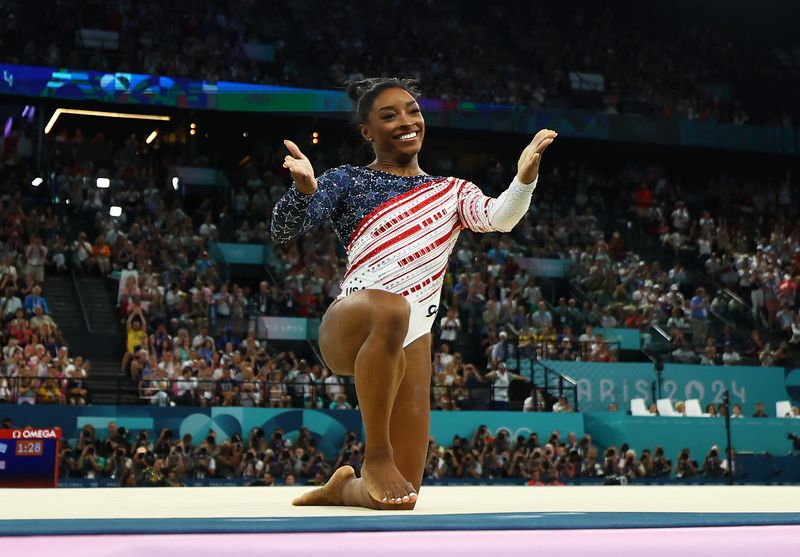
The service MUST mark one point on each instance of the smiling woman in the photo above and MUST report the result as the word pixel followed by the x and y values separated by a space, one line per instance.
pixel 399 226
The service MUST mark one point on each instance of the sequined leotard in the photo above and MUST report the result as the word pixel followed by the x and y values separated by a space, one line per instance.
pixel 398 230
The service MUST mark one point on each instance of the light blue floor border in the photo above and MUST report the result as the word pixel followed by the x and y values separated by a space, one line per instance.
pixel 393 523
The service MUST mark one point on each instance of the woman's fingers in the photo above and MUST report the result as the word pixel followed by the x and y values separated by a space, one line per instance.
pixel 543 145
pixel 543 138
pixel 294 149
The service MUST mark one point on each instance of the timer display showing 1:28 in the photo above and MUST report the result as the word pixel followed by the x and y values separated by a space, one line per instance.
pixel 29 448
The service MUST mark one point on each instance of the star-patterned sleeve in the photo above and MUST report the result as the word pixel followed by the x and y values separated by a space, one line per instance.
pixel 481 213
pixel 296 212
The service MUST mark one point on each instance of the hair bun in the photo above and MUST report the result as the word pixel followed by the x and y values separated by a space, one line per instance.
pixel 356 89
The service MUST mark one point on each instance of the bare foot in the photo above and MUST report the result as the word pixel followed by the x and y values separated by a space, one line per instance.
pixel 385 483
pixel 331 492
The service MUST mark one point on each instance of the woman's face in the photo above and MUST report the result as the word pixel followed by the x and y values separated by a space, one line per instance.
pixel 395 125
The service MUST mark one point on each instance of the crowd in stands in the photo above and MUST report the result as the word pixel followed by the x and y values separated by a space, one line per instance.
pixel 263 459
pixel 734 254
pixel 495 309
pixel 558 460
pixel 596 57
pixel 36 366
pixel 167 461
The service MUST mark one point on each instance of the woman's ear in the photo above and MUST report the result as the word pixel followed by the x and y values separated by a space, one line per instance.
pixel 365 133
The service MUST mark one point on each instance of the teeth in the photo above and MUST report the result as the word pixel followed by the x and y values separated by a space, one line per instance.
pixel 411 135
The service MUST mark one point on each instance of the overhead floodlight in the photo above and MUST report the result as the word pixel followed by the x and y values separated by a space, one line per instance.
pixel 103 183
pixel 115 210
pixel 175 183
pixel 151 137
pixel 101 113
pixel 38 181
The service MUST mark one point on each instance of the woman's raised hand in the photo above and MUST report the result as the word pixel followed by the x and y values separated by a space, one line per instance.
pixel 300 167
pixel 528 165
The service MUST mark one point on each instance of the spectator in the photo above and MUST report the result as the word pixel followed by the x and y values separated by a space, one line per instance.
pixel 760 413
pixel 501 380
pixel 699 316
pixel 450 326
pixel 35 299
pixel 101 256
pixel 36 257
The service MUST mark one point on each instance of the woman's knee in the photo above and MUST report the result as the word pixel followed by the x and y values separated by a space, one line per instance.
pixel 389 316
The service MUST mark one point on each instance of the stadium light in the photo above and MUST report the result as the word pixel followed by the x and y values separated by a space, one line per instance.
pixel 115 210
pixel 151 137
pixel 101 113
pixel 103 183
pixel 175 183
pixel 38 181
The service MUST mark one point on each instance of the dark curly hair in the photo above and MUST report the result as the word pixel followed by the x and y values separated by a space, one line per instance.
pixel 364 92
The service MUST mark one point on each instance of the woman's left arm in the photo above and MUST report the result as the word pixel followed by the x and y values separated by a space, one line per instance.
pixel 481 213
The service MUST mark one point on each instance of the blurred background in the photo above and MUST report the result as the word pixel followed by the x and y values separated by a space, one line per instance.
pixel 645 307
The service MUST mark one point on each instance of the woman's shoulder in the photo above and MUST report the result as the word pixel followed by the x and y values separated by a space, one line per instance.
pixel 341 172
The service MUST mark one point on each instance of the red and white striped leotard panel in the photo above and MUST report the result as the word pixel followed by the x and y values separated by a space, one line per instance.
pixel 403 245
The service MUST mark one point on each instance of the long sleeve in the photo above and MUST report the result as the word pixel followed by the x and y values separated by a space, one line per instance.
pixel 296 212
pixel 481 213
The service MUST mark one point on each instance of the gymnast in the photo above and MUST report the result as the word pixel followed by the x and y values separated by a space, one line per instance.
pixel 399 226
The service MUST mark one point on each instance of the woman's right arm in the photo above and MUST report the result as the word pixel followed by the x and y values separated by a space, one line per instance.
pixel 309 201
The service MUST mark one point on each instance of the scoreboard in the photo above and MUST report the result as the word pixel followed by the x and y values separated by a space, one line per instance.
pixel 29 457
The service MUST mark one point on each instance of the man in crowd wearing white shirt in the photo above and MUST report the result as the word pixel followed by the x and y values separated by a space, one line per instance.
pixel 501 379
pixel 450 325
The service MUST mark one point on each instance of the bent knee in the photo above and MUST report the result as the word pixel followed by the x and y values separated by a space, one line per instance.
pixel 389 316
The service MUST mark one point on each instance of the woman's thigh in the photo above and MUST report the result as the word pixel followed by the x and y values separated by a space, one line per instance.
pixel 349 321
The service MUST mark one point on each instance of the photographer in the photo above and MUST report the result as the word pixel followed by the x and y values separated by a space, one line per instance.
pixel 685 468
pixel 610 462
pixel 230 458
pixel 163 443
pixel 175 463
pixel 250 466
pixel 88 465
pixel 117 464
pixel 516 465
pixel 590 468
pixel 316 464
pixel 795 439
pixel 662 466
pixel 255 440
pixel 205 464
pixel 67 466
pixel 480 438
pixel 87 437
pixel 712 466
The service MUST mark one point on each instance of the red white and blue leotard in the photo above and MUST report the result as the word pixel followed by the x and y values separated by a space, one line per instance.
pixel 399 231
